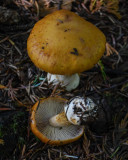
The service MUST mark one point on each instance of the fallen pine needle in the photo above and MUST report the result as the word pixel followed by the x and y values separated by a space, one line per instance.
pixel 110 50
pixel 2 141
pixel 2 86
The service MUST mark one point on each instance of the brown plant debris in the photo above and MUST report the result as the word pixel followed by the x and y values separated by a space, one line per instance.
pixel 111 6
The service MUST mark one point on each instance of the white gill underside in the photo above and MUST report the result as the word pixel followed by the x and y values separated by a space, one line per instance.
pixel 62 133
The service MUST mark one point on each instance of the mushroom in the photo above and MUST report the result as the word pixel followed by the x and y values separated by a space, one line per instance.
pixel 64 45
pixel 58 121
pixel 42 127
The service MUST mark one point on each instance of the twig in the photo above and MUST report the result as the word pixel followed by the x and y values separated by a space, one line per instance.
pixel 106 89
pixel 3 40
pixel 13 44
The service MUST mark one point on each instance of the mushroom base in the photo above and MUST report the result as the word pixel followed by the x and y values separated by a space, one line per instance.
pixel 68 81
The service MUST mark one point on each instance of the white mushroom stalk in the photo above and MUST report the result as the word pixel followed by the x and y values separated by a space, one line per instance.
pixel 76 111
pixel 70 82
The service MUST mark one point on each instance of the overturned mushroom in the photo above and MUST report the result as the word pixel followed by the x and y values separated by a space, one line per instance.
pixel 64 44
pixel 43 127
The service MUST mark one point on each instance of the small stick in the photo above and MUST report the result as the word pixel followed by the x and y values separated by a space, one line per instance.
pixel 106 89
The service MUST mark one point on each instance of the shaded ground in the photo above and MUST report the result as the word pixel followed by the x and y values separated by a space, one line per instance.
pixel 22 84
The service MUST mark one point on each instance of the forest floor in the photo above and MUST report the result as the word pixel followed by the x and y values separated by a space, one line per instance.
pixel 22 84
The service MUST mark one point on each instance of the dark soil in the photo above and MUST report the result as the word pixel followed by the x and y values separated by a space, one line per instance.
pixel 22 84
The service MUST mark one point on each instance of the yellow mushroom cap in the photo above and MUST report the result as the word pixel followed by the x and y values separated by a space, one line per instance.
pixel 64 43
pixel 40 125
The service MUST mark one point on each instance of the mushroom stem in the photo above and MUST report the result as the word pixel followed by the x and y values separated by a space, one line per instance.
pixel 68 81
pixel 76 111
pixel 59 120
